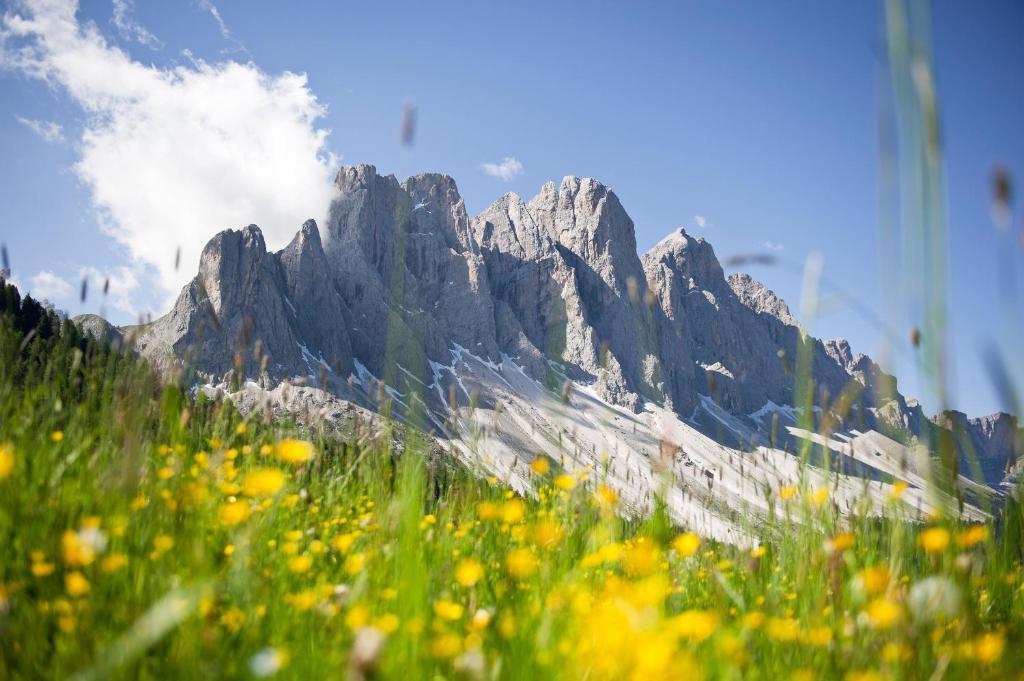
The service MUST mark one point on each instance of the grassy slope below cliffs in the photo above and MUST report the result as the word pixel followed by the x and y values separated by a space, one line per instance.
pixel 150 534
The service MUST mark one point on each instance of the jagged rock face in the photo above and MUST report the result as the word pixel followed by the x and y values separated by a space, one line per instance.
pixel 419 285
pixel 532 284
pixel 403 281
pixel 735 347
pixel 320 315
pixel 762 300
pixel 566 268
pixel 238 300
pixel 990 443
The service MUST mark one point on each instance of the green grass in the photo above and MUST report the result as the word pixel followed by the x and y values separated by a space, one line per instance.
pixel 149 534
pixel 138 543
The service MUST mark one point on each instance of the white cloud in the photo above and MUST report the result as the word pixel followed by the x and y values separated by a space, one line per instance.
pixel 48 131
pixel 508 169
pixel 120 284
pixel 700 221
pixel 131 29
pixel 225 32
pixel 174 155
pixel 49 286
pixel 771 246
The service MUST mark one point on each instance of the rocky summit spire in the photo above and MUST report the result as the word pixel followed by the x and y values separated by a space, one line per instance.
pixel 405 288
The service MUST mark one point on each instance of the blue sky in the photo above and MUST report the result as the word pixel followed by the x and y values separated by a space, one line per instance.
pixel 759 121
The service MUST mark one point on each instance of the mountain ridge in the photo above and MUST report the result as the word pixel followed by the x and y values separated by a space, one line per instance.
pixel 401 280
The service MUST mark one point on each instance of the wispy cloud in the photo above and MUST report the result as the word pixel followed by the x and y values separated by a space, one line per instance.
pixel 47 285
pixel 508 169
pixel 173 155
pixel 225 32
pixel 771 246
pixel 48 131
pixel 700 221
pixel 115 286
pixel 130 29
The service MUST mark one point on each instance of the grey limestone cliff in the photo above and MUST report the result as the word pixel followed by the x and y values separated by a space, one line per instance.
pixel 400 283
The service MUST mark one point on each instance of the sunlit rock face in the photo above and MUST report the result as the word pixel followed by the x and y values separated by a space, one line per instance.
pixel 392 297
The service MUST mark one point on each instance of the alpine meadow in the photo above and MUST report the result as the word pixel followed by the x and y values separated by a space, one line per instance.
pixel 401 440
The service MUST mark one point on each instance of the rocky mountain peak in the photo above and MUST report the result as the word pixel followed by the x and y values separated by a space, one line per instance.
pixel 401 284
pixel 231 256
pixel 587 218
pixel 437 207
pixel 690 259
pixel 839 349
pixel 508 226
pixel 761 299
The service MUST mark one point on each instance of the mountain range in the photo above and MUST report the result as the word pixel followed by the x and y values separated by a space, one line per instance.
pixel 535 328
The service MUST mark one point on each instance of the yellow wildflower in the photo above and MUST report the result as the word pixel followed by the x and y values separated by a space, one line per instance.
pixel 898 488
pixel 233 618
pixel 883 613
pixel 541 465
pixel 783 629
pixel 606 496
pixel 547 534
pixel 818 637
pixel 233 513
pixel 76 584
pixel 753 620
pixel 357 617
pixel 162 543
pixel 113 562
pixel 481 618
pixel 972 536
pixel 446 646
pixel 6 460
pixel 788 493
pixel 294 451
pixel 41 568
pixel 895 652
pixel 840 542
pixel 695 625
pixel 565 482
pixel 873 579
pixel 521 563
pixel 488 510
pixel 343 542
pixel 641 557
pixel 468 572
pixel 988 647
pixel 818 497
pixel 300 563
pixel 686 544
pixel 57 436
pixel 448 610
pixel 263 482
pixel 303 600
pixel 934 539
pixel 355 563
pixel 75 551
pixel 388 623
pixel 513 511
